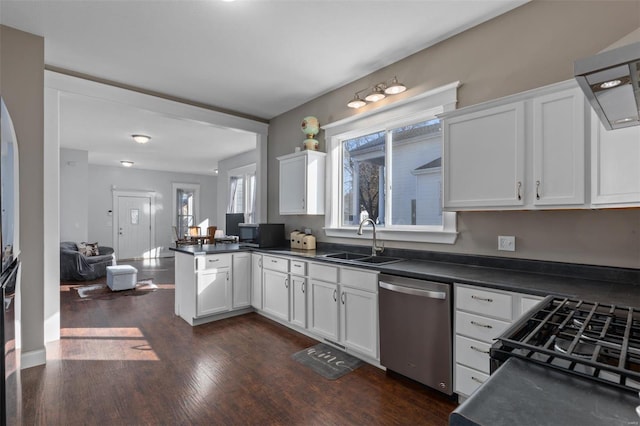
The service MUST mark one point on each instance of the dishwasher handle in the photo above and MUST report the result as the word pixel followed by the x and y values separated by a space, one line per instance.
pixel 413 291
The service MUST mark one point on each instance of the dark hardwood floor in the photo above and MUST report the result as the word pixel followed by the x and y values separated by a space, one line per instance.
pixel 128 360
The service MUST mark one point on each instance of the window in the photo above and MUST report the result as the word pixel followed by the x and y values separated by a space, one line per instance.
pixel 242 192
pixel 409 156
pixel 186 207
pixel 388 168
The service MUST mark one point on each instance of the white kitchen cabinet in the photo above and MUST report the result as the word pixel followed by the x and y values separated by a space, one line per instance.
pixel 298 301
pixel 481 315
pixel 559 149
pixel 298 293
pixel 256 280
pixel 525 151
pixel 615 166
pixel 241 280
pixel 359 320
pixel 213 292
pixel 213 284
pixel 302 183
pixel 484 158
pixel 323 312
pixel 275 287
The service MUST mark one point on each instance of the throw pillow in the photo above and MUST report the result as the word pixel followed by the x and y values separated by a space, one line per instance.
pixel 88 249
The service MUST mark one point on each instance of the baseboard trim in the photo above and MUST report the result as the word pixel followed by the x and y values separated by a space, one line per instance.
pixel 33 358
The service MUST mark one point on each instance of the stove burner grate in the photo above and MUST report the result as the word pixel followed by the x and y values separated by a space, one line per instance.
pixel 589 339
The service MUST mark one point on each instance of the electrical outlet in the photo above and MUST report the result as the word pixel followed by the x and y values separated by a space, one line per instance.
pixel 506 243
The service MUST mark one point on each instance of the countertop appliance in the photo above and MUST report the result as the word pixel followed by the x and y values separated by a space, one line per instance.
pixel 9 271
pixel 610 81
pixel 232 220
pixel 261 235
pixel 600 342
pixel 416 330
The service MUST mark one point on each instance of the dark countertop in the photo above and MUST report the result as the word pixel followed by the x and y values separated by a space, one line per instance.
pixel 524 393
pixel 580 286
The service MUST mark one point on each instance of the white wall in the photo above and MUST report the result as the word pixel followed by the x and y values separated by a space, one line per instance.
pixel 102 180
pixel 224 167
pixel 74 192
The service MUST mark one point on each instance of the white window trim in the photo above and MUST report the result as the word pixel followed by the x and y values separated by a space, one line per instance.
pixel 432 102
pixel 245 171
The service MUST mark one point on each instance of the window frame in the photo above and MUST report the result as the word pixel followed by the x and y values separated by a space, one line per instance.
pixel 246 172
pixel 406 111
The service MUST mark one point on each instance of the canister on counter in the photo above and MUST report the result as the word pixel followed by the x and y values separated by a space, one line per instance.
pixel 309 242
pixel 294 240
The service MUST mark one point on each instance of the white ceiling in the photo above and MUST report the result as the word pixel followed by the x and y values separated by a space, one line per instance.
pixel 256 57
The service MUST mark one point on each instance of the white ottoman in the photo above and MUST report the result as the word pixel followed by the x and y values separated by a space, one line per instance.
pixel 122 277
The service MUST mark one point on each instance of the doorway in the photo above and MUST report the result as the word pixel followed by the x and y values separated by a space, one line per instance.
pixel 133 225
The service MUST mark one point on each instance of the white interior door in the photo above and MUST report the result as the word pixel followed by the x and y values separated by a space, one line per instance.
pixel 134 227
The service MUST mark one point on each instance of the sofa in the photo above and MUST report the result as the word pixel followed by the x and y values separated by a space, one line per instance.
pixel 75 266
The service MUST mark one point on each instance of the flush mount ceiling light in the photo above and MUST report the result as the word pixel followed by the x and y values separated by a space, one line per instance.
pixel 126 163
pixel 141 138
pixel 377 92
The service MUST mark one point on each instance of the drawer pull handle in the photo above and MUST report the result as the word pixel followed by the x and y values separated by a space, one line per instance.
pixel 479 350
pixel 335 295
pixel 274 261
pixel 479 324
pixel 484 299
pixel 475 379
pixel 213 260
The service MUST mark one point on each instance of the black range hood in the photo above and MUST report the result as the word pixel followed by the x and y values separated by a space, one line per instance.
pixel 610 81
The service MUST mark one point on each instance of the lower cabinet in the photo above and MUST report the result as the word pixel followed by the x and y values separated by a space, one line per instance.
pixel 323 312
pixel 241 285
pixel 275 296
pixel 481 315
pixel 298 301
pixel 256 280
pixel 212 296
pixel 359 320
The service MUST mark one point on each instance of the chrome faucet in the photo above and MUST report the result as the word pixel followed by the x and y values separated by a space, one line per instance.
pixel 374 248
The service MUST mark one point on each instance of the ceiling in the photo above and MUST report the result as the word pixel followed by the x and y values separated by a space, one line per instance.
pixel 259 58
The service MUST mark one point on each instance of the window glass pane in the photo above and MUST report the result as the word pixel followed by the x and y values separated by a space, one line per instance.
pixel 416 153
pixel 363 171
pixel 185 216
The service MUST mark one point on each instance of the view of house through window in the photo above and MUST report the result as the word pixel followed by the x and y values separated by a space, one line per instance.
pixel 393 176
pixel 186 209
pixel 242 192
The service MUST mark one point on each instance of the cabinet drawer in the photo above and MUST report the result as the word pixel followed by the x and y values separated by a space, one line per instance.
pixel 275 263
pixel 484 302
pixel 323 272
pixel 363 280
pixel 299 268
pixel 212 261
pixel 480 328
pixel 468 380
pixel 472 353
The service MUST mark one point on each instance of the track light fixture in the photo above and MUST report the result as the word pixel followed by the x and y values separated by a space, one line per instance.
pixel 377 92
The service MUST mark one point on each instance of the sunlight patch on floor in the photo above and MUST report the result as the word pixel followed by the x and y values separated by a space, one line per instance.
pixel 102 344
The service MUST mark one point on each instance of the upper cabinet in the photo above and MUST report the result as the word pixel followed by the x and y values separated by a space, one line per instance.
pixel 302 183
pixel 615 166
pixel 526 151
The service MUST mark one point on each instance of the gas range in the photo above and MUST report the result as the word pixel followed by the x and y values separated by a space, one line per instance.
pixel 593 340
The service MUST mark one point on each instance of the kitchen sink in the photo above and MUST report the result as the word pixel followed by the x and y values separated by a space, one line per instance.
pixel 379 260
pixel 356 258
pixel 346 256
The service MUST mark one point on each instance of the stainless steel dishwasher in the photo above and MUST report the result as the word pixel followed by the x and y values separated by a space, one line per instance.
pixel 415 330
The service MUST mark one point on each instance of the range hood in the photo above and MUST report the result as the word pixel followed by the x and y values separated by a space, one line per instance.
pixel 610 81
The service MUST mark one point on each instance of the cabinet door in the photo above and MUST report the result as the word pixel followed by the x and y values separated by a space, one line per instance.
pixel 293 183
pixel 241 280
pixel 359 320
pixel 299 301
pixel 558 149
pixel 615 166
pixel 213 295
pixel 275 300
pixel 484 158
pixel 256 280
pixel 323 315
